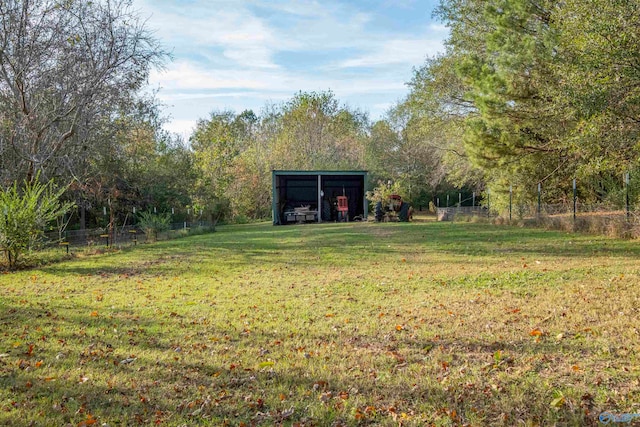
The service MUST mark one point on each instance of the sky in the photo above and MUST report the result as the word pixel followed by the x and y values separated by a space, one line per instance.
pixel 247 54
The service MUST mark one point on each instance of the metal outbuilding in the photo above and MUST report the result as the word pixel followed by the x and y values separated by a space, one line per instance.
pixel 311 196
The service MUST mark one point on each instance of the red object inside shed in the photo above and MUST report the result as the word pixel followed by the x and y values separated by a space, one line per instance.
pixel 343 206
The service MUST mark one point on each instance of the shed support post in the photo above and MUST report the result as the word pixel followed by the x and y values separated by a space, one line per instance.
pixel 365 202
pixel 319 208
pixel 275 202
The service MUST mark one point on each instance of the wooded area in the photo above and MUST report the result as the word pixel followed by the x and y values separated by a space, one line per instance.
pixel 526 92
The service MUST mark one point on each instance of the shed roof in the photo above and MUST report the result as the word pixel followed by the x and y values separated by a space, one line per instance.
pixel 319 172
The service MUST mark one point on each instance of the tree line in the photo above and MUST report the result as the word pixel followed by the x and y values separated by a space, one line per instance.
pixel 526 92
pixel 534 92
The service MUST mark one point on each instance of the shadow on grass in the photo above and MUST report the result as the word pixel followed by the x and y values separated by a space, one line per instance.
pixel 78 375
pixel 185 387
pixel 78 371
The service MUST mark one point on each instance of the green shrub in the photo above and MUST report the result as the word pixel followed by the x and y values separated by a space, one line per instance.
pixel 25 213
pixel 382 192
pixel 241 219
pixel 153 223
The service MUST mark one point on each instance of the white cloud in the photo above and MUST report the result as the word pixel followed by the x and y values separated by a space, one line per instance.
pixel 184 128
pixel 439 28
pixel 384 106
pixel 237 54
pixel 398 51
pixel 186 75
pixel 254 58
pixel 241 36
pixel 403 4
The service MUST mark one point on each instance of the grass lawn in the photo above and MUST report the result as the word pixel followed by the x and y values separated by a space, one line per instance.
pixel 334 324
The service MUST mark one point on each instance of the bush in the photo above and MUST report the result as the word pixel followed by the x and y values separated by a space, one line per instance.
pixel 241 219
pixel 25 213
pixel 152 224
pixel 382 192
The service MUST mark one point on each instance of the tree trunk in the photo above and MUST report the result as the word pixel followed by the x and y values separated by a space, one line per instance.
pixel 83 216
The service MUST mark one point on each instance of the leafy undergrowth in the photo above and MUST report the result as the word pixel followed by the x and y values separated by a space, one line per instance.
pixel 338 324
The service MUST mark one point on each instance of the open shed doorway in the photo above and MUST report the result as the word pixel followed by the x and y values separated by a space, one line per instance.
pixel 311 196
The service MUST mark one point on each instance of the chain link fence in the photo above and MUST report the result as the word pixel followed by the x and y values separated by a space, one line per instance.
pixel 122 236
pixel 579 217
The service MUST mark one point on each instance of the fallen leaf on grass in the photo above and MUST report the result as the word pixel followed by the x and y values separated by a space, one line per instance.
pixel 88 422
pixel 557 402
pixel 265 364
pixel 536 332
pixel 320 385
pixel 287 413
pixel 324 397
pixel 399 358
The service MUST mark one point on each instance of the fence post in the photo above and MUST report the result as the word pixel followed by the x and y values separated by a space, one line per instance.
pixel 488 203
pixel 575 200
pixel 473 201
pixel 510 201
pixel 460 201
pixel 539 198
pixel 626 185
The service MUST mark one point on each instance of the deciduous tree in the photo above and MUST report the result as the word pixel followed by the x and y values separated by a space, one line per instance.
pixel 65 67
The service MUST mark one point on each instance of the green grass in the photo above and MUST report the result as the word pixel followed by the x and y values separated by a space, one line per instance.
pixel 336 324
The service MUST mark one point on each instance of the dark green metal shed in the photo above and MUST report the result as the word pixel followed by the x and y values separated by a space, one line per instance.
pixel 306 196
